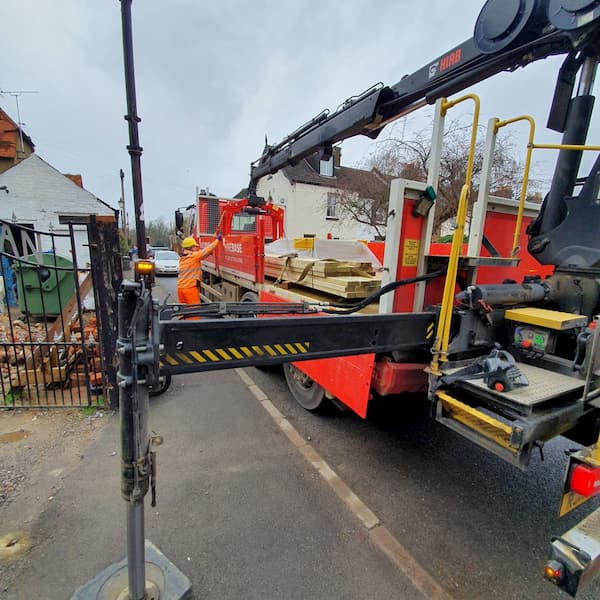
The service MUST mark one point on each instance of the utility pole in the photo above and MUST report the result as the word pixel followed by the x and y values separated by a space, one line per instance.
pixel 15 94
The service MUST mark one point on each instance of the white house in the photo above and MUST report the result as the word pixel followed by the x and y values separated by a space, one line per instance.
pixel 36 195
pixel 311 193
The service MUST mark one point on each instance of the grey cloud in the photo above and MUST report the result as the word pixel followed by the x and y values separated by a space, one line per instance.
pixel 214 78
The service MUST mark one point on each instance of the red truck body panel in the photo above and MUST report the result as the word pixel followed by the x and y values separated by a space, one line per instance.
pixel 348 378
pixel 238 253
pixel 352 379
pixel 242 250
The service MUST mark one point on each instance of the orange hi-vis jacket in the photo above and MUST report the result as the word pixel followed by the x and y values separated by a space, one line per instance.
pixel 189 266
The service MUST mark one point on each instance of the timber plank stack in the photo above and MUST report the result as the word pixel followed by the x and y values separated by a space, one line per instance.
pixel 35 356
pixel 344 279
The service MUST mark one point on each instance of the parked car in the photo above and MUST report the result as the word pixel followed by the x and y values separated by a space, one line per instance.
pixel 166 262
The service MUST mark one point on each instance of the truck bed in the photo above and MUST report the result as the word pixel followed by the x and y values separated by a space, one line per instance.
pixel 300 294
pixel 340 278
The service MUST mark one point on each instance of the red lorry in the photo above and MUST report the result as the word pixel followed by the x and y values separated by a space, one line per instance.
pixel 236 273
pixel 519 307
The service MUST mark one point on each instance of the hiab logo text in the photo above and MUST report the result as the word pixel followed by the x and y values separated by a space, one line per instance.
pixel 444 63
pixel 450 60
pixel 231 247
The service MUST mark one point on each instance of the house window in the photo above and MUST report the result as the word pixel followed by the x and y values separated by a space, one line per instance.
pixel 332 206
pixel 326 167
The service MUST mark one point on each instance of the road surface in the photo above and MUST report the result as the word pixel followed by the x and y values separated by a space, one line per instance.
pixel 475 523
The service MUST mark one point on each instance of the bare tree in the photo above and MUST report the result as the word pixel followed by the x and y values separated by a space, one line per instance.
pixel 158 231
pixel 362 196
pixel 409 158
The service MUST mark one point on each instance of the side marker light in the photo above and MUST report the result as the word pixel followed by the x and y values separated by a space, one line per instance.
pixel 554 571
pixel 143 267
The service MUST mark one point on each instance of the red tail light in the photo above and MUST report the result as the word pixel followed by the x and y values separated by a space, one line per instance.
pixel 585 480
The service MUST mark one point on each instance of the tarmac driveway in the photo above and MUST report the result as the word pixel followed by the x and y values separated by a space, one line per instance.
pixel 240 512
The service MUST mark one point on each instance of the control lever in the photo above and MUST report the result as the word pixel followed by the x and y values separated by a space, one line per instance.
pixel 498 369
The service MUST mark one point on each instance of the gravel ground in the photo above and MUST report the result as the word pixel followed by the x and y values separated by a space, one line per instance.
pixel 38 448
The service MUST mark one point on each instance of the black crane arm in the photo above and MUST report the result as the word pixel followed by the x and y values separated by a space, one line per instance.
pixel 507 35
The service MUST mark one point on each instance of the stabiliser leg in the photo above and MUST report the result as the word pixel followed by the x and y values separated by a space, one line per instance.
pixel 145 574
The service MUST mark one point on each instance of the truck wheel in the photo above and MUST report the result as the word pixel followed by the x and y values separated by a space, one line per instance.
pixel 249 297
pixel 163 385
pixel 307 392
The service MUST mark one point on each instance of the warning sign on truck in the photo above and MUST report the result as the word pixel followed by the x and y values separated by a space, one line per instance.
pixel 410 253
pixel 304 243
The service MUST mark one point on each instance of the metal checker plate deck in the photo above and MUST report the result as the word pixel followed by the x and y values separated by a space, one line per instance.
pixel 544 385
pixel 586 534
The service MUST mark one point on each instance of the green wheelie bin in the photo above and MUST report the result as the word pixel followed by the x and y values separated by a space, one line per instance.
pixel 45 283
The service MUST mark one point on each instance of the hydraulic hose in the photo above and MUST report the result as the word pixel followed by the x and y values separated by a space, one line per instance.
pixel 344 309
pixel 248 309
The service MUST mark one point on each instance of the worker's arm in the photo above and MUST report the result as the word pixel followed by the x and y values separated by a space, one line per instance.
pixel 208 250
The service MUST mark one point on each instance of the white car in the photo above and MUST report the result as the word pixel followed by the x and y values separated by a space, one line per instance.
pixel 166 262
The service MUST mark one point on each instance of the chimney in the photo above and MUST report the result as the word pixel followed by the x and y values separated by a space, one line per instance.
pixel 337 157
pixel 76 179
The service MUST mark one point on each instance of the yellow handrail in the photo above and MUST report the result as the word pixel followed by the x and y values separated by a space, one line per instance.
pixel 564 147
pixel 440 345
pixel 530 146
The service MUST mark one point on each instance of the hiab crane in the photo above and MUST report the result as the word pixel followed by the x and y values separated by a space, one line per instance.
pixel 507 364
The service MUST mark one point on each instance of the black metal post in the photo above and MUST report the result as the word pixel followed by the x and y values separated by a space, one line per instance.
pixel 138 368
pixel 134 148
pixel 133 330
pixel 134 307
pixel 107 274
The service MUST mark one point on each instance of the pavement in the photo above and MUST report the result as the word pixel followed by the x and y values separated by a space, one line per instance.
pixel 246 509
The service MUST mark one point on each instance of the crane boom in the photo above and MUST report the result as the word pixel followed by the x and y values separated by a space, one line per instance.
pixel 507 35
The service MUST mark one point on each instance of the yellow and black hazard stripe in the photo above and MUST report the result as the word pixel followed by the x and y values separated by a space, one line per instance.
pixel 214 355
pixel 429 331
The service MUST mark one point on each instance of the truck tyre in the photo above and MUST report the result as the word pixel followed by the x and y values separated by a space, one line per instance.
pixel 307 392
pixel 249 297
pixel 164 383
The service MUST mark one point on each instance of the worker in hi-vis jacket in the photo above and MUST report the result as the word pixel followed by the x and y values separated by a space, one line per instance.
pixel 190 270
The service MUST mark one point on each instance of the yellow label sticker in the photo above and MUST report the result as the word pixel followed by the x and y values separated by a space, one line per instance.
pixel 304 243
pixel 570 501
pixel 410 253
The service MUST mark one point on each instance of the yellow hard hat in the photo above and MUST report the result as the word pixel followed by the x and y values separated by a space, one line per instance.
pixel 189 242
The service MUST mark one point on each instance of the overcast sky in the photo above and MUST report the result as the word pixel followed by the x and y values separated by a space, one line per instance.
pixel 213 78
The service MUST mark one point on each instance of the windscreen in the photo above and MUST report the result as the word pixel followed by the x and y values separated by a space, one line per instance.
pixel 166 255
